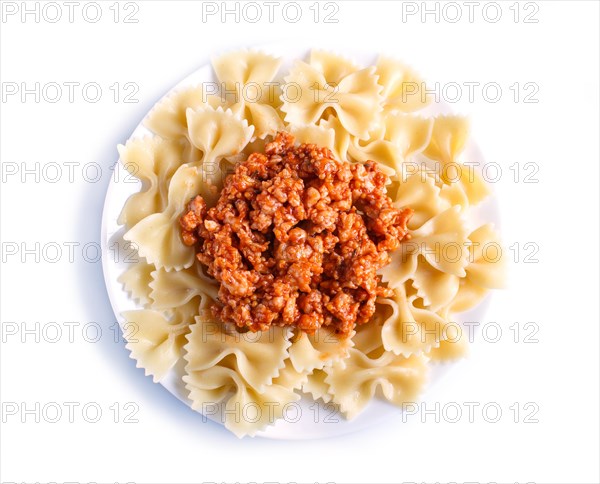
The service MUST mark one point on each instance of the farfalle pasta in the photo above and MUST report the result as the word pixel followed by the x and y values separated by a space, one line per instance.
pixel 248 89
pixel 403 90
pixel 331 83
pixel 434 259
pixel 156 338
pixel 157 236
pixel 316 387
pixel 354 382
pixel 398 138
pixel 313 352
pixel 216 134
pixel 136 280
pixel 153 161
pixel 448 138
pixel 252 367
pixel 168 119
pixel 411 330
pixel 486 269
pixel 419 191
pixel 246 363
pixel 177 288
pixel 455 346
pixel 258 356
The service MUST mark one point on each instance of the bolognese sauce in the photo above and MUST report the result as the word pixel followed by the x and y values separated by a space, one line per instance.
pixel 296 239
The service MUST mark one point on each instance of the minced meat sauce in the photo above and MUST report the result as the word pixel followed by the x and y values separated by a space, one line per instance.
pixel 296 239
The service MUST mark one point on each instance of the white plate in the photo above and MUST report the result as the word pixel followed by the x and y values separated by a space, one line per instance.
pixel 306 419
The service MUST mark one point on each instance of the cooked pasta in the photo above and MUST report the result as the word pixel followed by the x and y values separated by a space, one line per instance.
pixel 136 280
pixel 216 134
pixel 168 118
pixel 353 382
pixel 157 236
pixel 398 139
pixel 154 340
pixel 153 161
pixel 403 90
pixel 330 83
pixel 247 78
pixel 354 114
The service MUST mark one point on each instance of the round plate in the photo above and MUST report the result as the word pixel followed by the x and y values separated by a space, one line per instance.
pixel 305 419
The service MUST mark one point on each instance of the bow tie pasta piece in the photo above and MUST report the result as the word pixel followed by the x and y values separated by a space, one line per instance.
pixel 290 378
pixel 468 296
pixel 366 338
pixel 329 83
pixel 316 387
pixel 384 153
pixel 354 384
pixel 434 258
pixel 455 195
pixel 153 161
pixel 313 134
pixel 411 330
pixel 238 68
pixel 321 136
pixel 136 281
pixel 442 242
pixel 403 90
pixel 168 118
pixel 222 391
pixel 233 379
pixel 259 356
pixel 436 288
pixel 255 146
pixel 341 137
pixel 419 192
pixel 454 347
pixel 331 65
pixel 189 311
pixel 449 137
pixel 401 137
pixel 155 342
pixel 449 351
pixel 486 269
pixel 448 140
pixel 217 134
pixel 410 133
pixel 248 76
pixel 157 237
pixel 487 265
pixel 260 410
pixel 263 118
pixel 176 288
pixel 310 352
pixel 209 387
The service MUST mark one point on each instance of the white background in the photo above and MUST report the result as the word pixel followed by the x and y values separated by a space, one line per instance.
pixel 170 443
